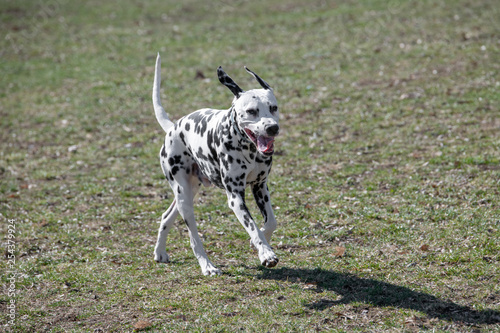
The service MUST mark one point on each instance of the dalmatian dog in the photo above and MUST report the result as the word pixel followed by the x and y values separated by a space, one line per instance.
pixel 231 149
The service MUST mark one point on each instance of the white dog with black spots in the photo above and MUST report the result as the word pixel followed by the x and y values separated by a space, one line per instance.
pixel 231 149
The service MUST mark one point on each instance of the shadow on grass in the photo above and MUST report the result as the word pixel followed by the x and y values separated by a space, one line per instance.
pixel 382 294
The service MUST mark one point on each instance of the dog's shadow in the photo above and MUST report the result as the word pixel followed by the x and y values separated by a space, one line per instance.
pixel 380 294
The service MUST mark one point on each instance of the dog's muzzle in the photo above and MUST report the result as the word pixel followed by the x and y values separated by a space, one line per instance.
pixel 264 143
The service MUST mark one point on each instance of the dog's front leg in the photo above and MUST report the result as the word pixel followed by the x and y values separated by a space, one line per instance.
pixel 263 200
pixel 236 201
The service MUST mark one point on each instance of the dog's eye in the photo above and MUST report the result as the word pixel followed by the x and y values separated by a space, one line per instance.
pixel 253 112
pixel 273 108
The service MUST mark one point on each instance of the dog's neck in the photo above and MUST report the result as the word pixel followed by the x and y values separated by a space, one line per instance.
pixel 234 124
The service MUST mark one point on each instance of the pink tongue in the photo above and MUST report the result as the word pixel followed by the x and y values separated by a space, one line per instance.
pixel 265 144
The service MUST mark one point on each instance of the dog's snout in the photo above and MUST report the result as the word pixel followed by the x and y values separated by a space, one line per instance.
pixel 272 130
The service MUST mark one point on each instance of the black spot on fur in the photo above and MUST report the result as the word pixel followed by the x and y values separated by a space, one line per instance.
pixel 163 153
pixel 181 135
pixel 200 122
pixel 260 199
pixel 225 163
pixel 200 154
pixel 246 220
pixel 229 146
pixel 210 142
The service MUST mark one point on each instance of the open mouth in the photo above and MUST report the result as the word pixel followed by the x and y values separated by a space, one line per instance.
pixel 264 144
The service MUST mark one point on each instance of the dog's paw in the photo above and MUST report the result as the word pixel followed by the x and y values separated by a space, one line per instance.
pixel 268 258
pixel 162 256
pixel 211 270
pixel 270 262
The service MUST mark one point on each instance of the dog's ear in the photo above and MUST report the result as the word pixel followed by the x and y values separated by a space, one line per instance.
pixel 228 82
pixel 262 82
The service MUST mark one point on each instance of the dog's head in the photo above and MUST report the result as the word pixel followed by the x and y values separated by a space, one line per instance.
pixel 256 112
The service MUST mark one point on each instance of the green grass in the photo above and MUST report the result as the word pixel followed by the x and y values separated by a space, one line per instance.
pixel 389 149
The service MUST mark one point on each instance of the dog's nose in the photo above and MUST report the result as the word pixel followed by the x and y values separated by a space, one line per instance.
pixel 272 130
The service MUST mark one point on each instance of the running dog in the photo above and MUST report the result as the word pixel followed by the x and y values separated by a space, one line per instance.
pixel 231 149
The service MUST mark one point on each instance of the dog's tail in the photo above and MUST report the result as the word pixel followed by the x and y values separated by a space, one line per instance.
pixel 160 113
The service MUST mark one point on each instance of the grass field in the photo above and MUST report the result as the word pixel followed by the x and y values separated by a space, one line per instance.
pixel 385 182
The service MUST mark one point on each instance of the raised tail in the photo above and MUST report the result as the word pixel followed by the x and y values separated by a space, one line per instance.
pixel 160 113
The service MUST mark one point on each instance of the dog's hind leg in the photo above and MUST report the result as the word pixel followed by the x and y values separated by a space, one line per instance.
pixel 167 221
pixel 184 193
